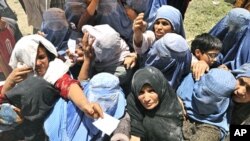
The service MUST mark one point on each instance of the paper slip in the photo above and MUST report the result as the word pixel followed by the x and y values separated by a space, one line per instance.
pixel 72 45
pixel 107 125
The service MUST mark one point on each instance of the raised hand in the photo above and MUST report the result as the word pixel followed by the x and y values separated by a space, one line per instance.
pixel 87 47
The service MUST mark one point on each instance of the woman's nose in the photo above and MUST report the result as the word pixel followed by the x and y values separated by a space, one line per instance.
pixel 241 91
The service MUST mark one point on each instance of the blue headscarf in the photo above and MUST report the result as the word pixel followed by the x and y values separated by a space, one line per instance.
pixel 151 10
pixel 56 29
pixel 173 15
pixel 242 71
pixel 140 6
pixel 234 32
pixel 172 56
pixel 208 99
pixel 74 10
pixel 112 12
pixel 67 122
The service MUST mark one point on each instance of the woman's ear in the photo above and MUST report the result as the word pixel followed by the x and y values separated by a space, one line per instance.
pixel 198 53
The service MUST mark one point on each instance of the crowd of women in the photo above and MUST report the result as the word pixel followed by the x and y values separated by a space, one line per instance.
pixel 128 59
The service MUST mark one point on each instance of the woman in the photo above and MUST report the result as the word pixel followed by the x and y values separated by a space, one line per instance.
pixel 241 96
pixel 113 13
pixel 171 55
pixel 34 55
pixel 56 29
pixel 70 123
pixel 207 105
pixel 168 19
pixel 234 32
pixel 153 107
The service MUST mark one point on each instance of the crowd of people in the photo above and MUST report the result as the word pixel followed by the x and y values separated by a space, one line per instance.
pixel 128 59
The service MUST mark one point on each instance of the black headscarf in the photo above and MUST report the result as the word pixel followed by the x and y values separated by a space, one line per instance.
pixel 164 122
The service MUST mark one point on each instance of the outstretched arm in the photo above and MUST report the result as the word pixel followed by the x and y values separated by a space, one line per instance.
pixel 91 109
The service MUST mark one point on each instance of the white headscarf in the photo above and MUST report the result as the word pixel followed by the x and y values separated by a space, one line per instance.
pixel 110 48
pixel 25 52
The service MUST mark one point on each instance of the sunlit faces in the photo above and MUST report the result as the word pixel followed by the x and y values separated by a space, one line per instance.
pixel 148 97
pixel 161 27
pixel 42 61
pixel 242 90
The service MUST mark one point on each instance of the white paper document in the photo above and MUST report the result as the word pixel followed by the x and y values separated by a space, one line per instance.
pixel 107 125
pixel 72 45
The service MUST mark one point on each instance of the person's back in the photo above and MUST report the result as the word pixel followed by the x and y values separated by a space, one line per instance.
pixel 206 104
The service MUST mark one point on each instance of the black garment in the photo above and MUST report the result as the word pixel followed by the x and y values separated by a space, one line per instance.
pixel 181 5
pixel 164 122
pixel 240 114
pixel 35 97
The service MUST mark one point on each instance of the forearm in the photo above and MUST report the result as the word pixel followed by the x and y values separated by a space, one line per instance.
pixel 77 96
pixel 138 37
pixel 83 20
pixel 92 6
pixel 84 72
pixel 90 11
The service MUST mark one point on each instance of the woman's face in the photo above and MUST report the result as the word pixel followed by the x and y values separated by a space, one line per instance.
pixel 42 61
pixel 148 97
pixel 242 90
pixel 161 27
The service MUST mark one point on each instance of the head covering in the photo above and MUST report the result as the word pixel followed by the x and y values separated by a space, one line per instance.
pixel 148 123
pixel 25 52
pixel 242 71
pixel 74 10
pixel 174 16
pixel 151 10
pixel 56 28
pixel 241 112
pixel 68 121
pixel 104 88
pixel 108 45
pixel 112 12
pixel 140 6
pixel 172 56
pixel 208 99
pixel 233 30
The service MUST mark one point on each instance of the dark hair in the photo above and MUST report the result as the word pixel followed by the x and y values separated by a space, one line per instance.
pixel 51 56
pixel 205 42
